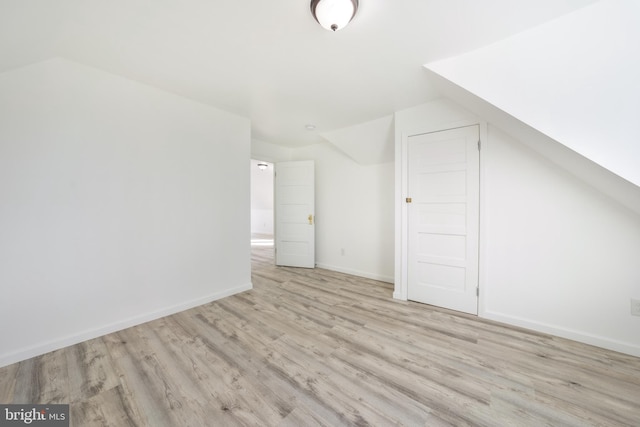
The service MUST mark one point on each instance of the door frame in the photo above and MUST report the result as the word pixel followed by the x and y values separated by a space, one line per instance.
pixel 401 288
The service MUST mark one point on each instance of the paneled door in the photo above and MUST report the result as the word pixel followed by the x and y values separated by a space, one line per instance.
pixel 295 214
pixel 443 214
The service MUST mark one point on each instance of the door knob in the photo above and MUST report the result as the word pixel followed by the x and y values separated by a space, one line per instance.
pixel 310 218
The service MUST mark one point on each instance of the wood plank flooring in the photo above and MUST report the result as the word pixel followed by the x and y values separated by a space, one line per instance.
pixel 319 348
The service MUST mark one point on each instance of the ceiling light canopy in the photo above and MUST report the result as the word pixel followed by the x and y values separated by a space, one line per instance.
pixel 334 14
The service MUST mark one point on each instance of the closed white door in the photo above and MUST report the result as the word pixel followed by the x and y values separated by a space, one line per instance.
pixel 295 214
pixel 443 214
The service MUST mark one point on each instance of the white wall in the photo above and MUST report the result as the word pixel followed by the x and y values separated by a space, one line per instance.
pixel 261 198
pixel 556 255
pixel 115 205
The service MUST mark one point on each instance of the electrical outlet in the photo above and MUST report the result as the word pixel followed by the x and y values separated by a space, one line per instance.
pixel 635 307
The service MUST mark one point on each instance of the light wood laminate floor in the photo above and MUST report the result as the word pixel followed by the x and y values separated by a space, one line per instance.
pixel 314 347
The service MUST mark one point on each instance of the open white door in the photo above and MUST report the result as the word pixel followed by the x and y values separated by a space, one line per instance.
pixel 295 214
pixel 443 213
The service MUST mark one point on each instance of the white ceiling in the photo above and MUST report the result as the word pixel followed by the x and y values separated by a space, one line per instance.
pixel 269 60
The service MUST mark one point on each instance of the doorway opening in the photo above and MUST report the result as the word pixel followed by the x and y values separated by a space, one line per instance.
pixel 262 204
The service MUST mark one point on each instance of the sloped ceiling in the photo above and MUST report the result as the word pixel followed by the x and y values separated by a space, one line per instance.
pixel 575 79
pixel 269 60
pixel 367 143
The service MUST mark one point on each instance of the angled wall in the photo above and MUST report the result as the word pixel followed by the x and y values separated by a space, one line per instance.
pixel 369 143
pixel 119 203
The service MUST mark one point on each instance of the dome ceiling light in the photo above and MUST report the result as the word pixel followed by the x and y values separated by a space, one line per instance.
pixel 334 15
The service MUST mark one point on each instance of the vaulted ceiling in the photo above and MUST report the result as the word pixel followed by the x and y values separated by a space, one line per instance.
pixel 269 60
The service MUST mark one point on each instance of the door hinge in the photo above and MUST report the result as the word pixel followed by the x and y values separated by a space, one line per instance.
pixel 479 145
pixel 477 292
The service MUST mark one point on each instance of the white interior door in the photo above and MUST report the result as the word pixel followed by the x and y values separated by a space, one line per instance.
pixel 295 214
pixel 443 213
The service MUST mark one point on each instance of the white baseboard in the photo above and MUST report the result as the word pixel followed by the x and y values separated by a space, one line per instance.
pixel 398 295
pixel 58 343
pixel 595 340
pixel 367 275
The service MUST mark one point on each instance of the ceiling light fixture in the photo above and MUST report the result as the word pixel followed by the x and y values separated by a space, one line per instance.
pixel 334 14
pixel 262 166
